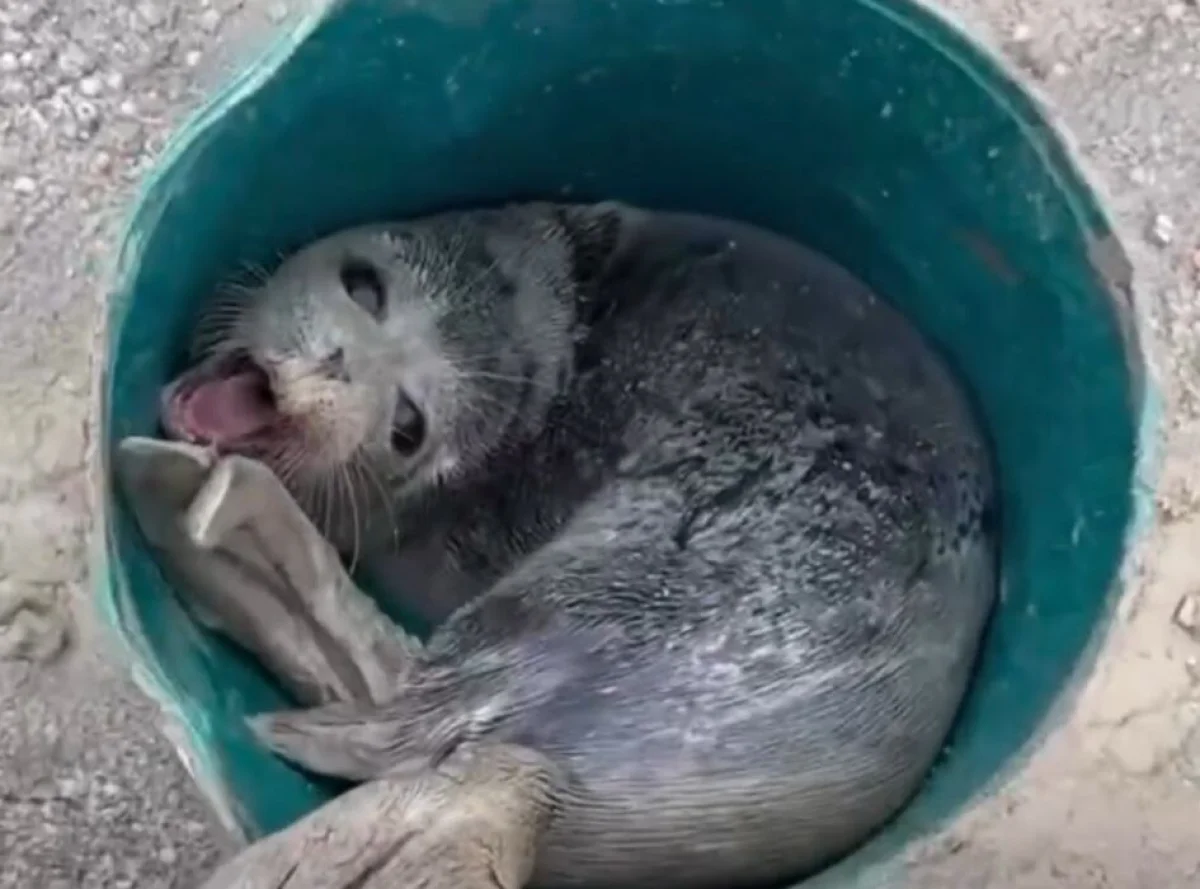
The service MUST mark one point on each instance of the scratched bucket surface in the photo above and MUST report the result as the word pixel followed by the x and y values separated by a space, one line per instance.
pixel 866 128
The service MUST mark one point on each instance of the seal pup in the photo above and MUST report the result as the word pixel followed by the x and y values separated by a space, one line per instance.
pixel 706 527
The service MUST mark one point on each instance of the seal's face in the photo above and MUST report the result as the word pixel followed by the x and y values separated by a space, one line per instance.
pixel 385 355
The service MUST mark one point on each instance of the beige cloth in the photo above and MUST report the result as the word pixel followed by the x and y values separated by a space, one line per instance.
pixel 249 563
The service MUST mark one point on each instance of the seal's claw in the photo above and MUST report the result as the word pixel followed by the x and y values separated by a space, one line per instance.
pixel 342 740
pixel 471 824
pixel 434 713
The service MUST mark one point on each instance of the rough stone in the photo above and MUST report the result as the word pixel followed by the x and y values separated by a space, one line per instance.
pixel 1187 615
pixel 42 533
pixel 34 622
pixel 1162 230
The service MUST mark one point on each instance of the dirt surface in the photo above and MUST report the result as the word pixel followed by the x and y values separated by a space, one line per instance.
pixel 91 796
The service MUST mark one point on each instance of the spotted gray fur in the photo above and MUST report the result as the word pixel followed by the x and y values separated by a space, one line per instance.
pixel 701 520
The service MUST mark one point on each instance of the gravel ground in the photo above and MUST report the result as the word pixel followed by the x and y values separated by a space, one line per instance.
pixel 90 796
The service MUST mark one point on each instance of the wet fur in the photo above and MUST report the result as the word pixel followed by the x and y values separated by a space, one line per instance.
pixel 709 526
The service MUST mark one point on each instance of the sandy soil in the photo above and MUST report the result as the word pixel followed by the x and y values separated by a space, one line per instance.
pixel 90 795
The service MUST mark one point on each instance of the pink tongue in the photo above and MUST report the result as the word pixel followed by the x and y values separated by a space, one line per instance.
pixel 230 409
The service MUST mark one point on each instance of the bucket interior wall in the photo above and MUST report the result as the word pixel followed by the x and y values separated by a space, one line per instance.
pixel 868 130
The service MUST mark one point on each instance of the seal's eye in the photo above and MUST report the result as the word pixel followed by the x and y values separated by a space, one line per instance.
pixel 362 283
pixel 408 427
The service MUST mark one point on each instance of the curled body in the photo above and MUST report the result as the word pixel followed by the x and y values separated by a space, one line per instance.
pixel 693 515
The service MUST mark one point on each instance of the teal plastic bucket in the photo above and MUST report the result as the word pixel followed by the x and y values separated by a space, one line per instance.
pixel 868 129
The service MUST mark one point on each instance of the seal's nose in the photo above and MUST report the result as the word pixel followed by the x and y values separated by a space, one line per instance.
pixel 334 367
pixel 408 426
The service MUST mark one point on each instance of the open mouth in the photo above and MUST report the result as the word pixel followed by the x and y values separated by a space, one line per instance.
pixel 226 402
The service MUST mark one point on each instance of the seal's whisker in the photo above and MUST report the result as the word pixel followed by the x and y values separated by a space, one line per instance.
pixel 316 484
pixel 219 325
pixel 208 328
pixel 325 497
pixel 348 483
pixel 473 360
pixel 363 466
pixel 234 292
pixel 257 271
pixel 290 459
pixel 507 378
pixel 237 291
pixel 303 491
pixel 516 259
pixel 336 497
pixel 229 343
pixel 480 399
pixel 214 326
pixel 338 490
pixel 223 310
pixel 487 270
pixel 205 348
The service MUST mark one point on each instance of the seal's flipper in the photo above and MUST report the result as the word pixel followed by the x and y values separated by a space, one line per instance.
pixel 341 740
pixel 435 712
pixel 471 823
pixel 252 566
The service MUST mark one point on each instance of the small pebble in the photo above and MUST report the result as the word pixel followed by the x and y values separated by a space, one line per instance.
pixel 24 185
pixel 72 61
pixel 1175 11
pixel 210 20
pixel 192 58
pixel 87 112
pixel 1027 55
pixel 9 62
pixel 1187 615
pixel 150 14
pixel 90 86
pixel 1022 33
pixel 1162 230
pixel 277 12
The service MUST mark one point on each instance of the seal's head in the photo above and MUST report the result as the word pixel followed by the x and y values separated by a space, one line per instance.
pixel 415 348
